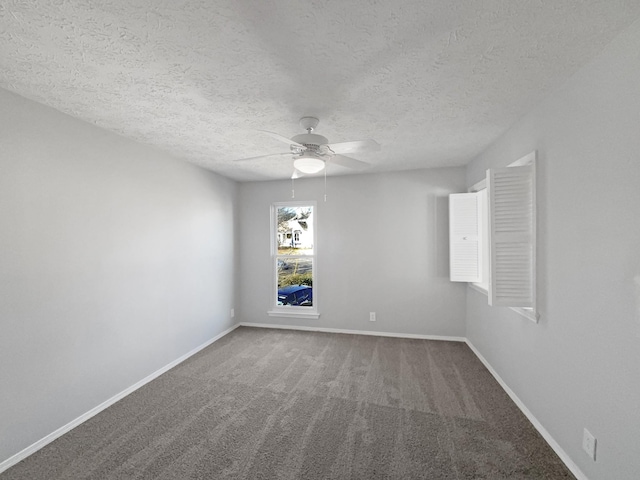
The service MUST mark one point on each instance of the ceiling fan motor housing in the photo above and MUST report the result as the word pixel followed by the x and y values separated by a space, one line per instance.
pixel 311 141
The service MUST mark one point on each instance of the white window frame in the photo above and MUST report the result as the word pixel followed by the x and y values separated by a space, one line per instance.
pixel 482 285
pixel 485 279
pixel 292 311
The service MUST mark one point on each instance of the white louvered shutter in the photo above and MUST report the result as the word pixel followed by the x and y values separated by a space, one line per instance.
pixel 511 193
pixel 464 254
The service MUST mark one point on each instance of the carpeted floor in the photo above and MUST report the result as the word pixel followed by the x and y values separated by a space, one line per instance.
pixel 278 404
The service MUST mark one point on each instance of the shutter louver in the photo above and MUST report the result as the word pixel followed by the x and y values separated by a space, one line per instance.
pixel 511 194
pixel 463 238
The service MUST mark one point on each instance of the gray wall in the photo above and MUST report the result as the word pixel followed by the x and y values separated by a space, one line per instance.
pixel 382 246
pixel 580 366
pixel 115 260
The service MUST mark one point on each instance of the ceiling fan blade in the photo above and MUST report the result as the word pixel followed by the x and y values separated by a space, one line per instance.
pixel 277 136
pixel 355 146
pixel 349 162
pixel 262 156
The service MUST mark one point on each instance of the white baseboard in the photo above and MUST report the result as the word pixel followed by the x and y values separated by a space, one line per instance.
pixel 538 426
pixel 354 332
pixel 21 455
pixel 6 464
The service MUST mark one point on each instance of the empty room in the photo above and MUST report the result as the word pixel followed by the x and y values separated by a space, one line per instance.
pixel 319 240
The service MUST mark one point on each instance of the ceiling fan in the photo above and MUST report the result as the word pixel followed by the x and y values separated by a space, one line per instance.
pixel 311 152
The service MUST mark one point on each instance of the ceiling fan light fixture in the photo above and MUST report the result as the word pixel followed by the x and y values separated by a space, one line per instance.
pixel 308 164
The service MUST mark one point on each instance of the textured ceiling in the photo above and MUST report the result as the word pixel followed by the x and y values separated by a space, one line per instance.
pixel 434 82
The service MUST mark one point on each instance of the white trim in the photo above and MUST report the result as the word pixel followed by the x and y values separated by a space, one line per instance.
pixel 528 159
pixel 293 314
pixel 531 159
pixel 481 185
pixel 530 314
pixel 478 288
pixel 527 413
pixel 527 313
pixel 354 332
pixel 34 447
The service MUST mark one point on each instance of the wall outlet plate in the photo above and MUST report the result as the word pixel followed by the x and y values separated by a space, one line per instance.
pixel 372 316
pixel 589 444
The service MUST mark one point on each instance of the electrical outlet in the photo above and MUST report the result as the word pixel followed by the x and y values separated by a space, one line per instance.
pixel 372 316
pixel 589 443
pixel 233 312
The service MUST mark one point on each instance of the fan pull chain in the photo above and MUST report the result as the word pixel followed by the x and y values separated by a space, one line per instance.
pixel 325 183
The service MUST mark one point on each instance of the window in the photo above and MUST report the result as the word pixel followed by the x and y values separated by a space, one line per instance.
pixel 293 252
pixel 492 236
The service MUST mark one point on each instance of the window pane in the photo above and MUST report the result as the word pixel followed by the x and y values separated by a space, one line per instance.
pixel 294 235
pixel 295 281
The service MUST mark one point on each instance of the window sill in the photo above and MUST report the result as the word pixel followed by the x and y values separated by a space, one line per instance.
pixel 527 313
pixel 478 288
pixel 293 314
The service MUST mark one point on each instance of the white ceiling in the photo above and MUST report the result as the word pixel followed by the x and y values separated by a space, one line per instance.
pixel 433 81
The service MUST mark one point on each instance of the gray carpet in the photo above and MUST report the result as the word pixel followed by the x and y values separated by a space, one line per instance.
pixel 277 404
